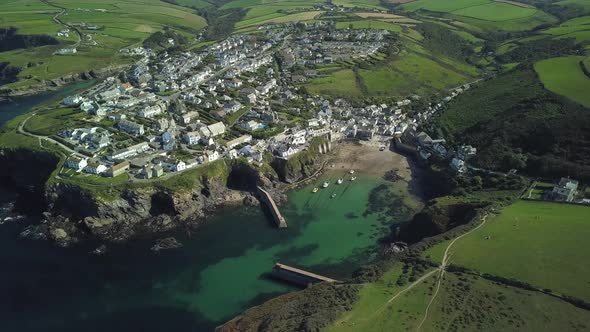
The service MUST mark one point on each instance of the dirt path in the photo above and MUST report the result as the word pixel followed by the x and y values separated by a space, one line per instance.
pixel 441 269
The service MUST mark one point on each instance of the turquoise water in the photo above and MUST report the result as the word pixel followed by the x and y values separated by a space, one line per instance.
pixel 221 270
pixel 23 105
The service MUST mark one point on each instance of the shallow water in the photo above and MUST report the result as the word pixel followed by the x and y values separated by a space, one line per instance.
pixel 221 270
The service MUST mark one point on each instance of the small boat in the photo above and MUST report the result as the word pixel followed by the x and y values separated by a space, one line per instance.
pixel 351 171
pixel 315 190
pixel 333 195
pixel 325 185
pixel 340 181
pixel 353 178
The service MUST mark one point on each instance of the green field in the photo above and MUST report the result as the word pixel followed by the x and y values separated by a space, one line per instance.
pixel 411 73
pixel 369 24
pixel 372 4
pixel 485 14
pixel 54 121
pixel 578 28
pixel 122 24
pixel 465 303
pixel 564 76
pixel 340 83
pixel 541 243
pixel 278 18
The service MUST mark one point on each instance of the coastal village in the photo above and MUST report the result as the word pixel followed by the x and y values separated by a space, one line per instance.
pixel 176 112
pixel 242 98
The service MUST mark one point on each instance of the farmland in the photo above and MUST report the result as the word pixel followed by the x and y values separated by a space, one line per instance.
pixel 464 302
pixel 120 24
pixel 340 83
pixel 564 76
pixel 547 238
pixel 410 73
pixel 485 14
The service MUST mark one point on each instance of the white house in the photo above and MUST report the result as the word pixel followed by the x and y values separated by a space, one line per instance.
pixel 211 155
pixel 73 100
pixel 76 163
pixel 95 167
pixel 173 165
pixel 192 137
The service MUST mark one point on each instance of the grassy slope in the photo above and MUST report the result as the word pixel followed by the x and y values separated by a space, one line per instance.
pixel 125 23
pixel 464 303
pixel 564 76
pixel 485 14
pixel 547 238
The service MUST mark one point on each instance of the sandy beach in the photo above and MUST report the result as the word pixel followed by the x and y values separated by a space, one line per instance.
pixel 365 157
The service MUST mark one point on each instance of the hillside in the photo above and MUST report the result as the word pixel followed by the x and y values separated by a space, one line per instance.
pixel 97 29
pixel 516 123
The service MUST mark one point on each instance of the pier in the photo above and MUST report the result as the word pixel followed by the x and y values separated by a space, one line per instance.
pixel 272 206
pixel 298 276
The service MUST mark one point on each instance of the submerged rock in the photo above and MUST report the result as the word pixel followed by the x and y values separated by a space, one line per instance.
pixel 165 244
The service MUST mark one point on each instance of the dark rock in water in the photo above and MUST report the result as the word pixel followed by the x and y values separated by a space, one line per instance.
pixel 392 176
pixel 351 215
pixel 166 243
pixel 251 201
pixel 100 250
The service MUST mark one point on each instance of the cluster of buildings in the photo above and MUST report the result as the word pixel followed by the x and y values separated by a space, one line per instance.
pixel 325 45
pixel 173 112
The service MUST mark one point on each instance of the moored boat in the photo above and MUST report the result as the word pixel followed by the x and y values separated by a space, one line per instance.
pixel 353 178
pixel 315 190
pixel 325 185
pixel 351 171
pixel 333 195
pixel 339 181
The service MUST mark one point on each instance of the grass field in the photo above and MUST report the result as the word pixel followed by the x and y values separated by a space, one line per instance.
pixel 411 73
pixel 54 121
pixel 278 18
pixel 369 24
pixel 122 24
pixel 540 243
pixel 372 4
pixel 564 76
pixel 578 28
pixel 485 14
pixel 466 303
pixel 340 83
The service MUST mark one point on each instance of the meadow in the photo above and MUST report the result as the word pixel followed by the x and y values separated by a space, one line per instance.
pixel 278 18
pixel 341 83
pixel 371 4
pixel 409 74
pixel 578 28
pixel 121 24
pixel 547 239
pixel 565 77
pixel 468 303
pixel 369 24
pixel 485 14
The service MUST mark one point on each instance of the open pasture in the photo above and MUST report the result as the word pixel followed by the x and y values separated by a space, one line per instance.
pixel 369 24
pixel 564 76
pixel 541 243
pixel 486 14
pixel 279 18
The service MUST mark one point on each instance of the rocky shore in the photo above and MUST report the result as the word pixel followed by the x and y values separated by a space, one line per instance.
pixel 7 94
pixel 71 215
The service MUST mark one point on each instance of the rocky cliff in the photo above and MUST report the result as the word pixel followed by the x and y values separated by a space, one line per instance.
pixel 302 164
pixel 71 213
pixel 51 84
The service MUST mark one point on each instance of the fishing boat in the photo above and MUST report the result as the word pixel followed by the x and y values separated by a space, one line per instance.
pixel 340 181
pixel 325 185
pixel 353 178
pixel 333 195
pixel 315 190
pixel 351 171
